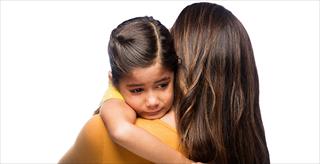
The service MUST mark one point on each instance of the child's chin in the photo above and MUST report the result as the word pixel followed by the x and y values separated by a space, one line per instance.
pixel 153 117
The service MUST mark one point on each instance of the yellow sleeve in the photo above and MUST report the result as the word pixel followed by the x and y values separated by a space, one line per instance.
pixel 111 92
pixel 88 145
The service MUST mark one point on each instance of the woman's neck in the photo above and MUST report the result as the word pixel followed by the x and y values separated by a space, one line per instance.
pixel 169 118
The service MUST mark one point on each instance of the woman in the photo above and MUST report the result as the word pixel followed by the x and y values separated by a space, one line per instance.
pixel 217 112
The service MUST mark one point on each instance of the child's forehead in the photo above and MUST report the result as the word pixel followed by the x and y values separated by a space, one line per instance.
pixel 152 69
pixel 151 73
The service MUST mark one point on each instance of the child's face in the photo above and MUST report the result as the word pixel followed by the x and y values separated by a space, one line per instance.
pixel 149 91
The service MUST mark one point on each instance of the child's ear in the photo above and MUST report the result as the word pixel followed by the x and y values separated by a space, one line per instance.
pixel 110 76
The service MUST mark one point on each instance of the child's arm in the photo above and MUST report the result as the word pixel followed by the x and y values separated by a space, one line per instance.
pixel 119 119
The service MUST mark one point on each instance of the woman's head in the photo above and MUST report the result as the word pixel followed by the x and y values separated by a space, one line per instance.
pixel 218 115
pixel 143 63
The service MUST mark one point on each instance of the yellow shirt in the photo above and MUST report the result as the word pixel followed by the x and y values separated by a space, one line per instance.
pixel 111 92
pixel 93 144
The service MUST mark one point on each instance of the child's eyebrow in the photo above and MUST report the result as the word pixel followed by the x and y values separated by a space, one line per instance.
pixel 158 81
pixel 134 85
pixel 163 79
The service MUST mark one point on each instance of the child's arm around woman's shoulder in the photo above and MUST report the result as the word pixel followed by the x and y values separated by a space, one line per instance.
pixel 119 119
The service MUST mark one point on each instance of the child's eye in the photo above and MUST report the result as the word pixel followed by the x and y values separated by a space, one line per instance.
pixel 137 90
pixel 163 85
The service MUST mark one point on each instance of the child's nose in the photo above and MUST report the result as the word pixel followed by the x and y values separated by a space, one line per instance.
pixel 152 102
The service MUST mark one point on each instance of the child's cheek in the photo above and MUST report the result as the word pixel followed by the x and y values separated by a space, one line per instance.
pixel 135 102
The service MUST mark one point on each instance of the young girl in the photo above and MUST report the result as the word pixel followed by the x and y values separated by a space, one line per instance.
pixel 143 63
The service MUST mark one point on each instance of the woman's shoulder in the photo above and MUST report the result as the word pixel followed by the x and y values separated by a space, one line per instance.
pixel 163 131
pixel 86 148
pixel 95 128
pixel 93 144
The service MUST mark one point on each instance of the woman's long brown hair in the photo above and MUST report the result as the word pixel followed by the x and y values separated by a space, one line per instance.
pixel 218 114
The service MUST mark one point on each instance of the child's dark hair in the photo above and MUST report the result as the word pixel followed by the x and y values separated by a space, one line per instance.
pixel 138 43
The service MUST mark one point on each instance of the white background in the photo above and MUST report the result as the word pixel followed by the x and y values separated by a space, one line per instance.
pixel 54 68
